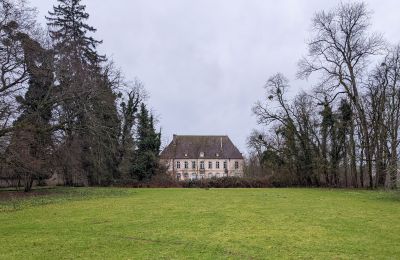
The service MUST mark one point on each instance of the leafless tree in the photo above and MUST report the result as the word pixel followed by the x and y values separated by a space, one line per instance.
pixel 340 49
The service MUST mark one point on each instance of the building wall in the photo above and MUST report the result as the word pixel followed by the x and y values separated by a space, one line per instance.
pixel 183 173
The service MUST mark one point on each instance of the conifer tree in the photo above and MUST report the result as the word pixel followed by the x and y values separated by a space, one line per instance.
pixel 69 31
pixel 148 146
pixel 89 109
pixel 31 144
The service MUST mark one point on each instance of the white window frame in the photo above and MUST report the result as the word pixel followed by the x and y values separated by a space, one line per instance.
pixel 202 165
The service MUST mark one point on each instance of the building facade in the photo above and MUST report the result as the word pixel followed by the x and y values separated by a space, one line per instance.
pixel 202 157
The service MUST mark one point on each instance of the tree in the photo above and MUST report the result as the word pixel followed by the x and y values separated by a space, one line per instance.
pixel 340 49
pixel 148 146
pixel 295 121
pixel 69 31
pixel 29 152
pixel 15 18
pixel 127 147
pixel 90 136
pixel 383 97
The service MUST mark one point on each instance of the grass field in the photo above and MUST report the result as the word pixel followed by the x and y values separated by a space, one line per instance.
pixel 201 224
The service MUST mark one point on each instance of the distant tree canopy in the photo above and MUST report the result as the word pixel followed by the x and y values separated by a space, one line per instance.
pixel 343 133
pixel 64 108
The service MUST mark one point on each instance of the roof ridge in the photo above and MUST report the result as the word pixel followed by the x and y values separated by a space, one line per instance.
pixel 191 146
pixel 203 135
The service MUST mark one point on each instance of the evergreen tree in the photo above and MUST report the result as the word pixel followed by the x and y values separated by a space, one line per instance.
pixel 126 152
pixel 103 128
pixel 88 107
pixel 148 146
pixel 69 31
pixel 31 143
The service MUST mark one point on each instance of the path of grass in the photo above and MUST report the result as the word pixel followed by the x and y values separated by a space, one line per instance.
pixel 205 224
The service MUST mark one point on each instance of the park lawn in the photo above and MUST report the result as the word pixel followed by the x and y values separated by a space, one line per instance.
pixel 112 223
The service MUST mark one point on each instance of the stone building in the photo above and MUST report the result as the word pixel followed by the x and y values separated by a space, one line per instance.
pixel 199 157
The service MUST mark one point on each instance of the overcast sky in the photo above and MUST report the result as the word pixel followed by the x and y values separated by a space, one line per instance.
pixel 204 62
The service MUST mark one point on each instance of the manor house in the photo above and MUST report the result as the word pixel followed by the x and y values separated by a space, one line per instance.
pixel 198 157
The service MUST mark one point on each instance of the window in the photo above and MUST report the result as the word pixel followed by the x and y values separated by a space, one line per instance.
pixel 201 155
pixel 194 176
pixel 217 175
pixel 202 175
pixel 186 165
pixel 209 165
pixel 178 165
pixel 186 175
pixel 202 165
pixel 193 165
pixel 225 165
pixel 217 165
pixel 178 176
pixel 236 165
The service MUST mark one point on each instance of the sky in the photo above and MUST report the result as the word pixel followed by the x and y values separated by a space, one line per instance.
pixel 204 62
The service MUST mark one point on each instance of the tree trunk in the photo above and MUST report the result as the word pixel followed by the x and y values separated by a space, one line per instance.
pixel 393 166
pixel 362 167
pixel 28 182
pixel 353 164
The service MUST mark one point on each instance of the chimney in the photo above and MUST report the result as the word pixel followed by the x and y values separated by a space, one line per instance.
pixel 221 143
pixel 174 139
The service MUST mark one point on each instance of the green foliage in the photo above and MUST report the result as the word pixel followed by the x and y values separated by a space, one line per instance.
pixel 68 28
pixel 29 151
pixel 203 224
pixel 148 146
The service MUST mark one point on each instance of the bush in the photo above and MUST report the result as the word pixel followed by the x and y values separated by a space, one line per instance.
pixel 228 182
pixel 165 181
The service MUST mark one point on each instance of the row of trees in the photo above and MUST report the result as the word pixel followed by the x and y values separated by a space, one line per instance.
pixel 64 108
pixel 343 133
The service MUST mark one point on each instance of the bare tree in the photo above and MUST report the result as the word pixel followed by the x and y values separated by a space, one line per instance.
pixel 384 101
pixel 340 49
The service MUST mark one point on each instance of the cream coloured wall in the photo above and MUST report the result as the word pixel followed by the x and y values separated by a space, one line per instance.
pixel 183 173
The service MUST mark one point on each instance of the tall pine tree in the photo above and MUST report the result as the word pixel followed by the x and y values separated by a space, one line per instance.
pixel 148 146
pixel 69 31
pixel 88 108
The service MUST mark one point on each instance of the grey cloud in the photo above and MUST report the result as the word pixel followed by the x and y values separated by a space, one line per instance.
pixel 204 63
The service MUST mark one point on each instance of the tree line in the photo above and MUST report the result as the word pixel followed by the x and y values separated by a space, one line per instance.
pixel 64 107
pixel 343 132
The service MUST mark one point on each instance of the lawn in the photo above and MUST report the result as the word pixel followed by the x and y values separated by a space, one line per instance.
pixel 106 223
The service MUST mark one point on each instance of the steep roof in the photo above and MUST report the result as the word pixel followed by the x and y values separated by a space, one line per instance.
pixel 191 146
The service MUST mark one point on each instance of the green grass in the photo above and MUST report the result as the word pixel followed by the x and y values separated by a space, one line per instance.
pixel 106 223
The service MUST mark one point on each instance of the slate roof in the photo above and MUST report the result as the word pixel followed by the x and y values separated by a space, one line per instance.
pixel 191 146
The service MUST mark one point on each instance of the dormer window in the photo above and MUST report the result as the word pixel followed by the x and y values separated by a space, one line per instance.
pixel 201 154
pixel 185 154
pixel 217 154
